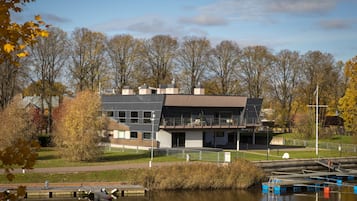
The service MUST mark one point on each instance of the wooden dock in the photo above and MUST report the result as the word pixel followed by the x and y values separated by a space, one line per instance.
pixel 83 191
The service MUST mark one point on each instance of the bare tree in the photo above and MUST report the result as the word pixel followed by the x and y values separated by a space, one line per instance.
pixel 158 54
pixel 318 69
pixel 123 53
pixel 9 82
pixel 224 62
pixel 255 63
pixel 284 81
pixel 192 58
pixel 88 67
pixel 48 57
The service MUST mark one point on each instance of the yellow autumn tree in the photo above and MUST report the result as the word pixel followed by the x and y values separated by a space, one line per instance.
pixel 78 127
pixel 16 37
pixel 17 147
pixel 348 103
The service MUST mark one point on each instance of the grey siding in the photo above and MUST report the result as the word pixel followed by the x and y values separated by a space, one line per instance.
pixel 134 103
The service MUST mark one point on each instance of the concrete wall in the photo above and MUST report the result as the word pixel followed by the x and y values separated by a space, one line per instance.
pixel 164 138
pixel 194 139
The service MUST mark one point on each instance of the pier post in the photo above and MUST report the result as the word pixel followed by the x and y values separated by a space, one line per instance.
pixel 277 190
pixel 339 182
pixel 326 190
pixel 265 188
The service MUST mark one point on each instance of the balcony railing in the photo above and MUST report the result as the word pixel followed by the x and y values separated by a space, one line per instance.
pixel 180 122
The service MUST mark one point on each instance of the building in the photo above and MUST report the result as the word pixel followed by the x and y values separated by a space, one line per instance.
pixel 191 121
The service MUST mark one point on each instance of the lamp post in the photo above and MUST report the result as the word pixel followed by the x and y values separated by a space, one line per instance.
pixel 267 142
pixel 152 137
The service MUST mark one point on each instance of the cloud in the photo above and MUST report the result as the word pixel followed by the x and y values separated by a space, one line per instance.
pixel 336 24
pixel 260 10
pixel 151 26
pixel 54 18
pixel 301 6
pixel 146 26
pixel 206 20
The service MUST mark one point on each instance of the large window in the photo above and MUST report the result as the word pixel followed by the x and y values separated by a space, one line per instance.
pixel 147 117
pixel 134 117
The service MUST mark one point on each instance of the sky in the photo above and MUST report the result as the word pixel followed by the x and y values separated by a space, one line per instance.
pixel 329 26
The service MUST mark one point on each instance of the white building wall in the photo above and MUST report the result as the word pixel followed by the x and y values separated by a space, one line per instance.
pixel 194 139
pixel 115 134
pixel 164 138
pixel 126 134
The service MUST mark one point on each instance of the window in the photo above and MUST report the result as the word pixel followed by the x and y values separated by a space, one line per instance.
pixel 122 116
pixel 219 134
pixel 134 117
pixel 110 114
pixel 147 117
pixel 134 114
pixel 147 136
pixel 133 135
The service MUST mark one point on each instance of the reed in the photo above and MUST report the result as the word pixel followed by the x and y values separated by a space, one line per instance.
pixel 240 174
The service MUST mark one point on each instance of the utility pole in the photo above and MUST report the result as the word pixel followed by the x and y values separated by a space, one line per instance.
pixel 152 137
pixel 317 106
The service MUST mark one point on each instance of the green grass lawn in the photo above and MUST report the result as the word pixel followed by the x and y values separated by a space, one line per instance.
pixel 49 157
pixel 344 139
pixel 98 176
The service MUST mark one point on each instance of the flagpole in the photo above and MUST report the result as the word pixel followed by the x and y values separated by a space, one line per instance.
pixel 317 120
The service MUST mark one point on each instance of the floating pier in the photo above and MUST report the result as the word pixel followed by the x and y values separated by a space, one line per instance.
pixel 308 181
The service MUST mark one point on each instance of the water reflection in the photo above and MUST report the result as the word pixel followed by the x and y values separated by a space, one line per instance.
pixel 216 195
pixel 236 195
pixel 342 194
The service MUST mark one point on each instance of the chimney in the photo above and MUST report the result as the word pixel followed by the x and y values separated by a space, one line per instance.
pixel 171 89
pixel 144 89
pixel 199 90
pixel 127 91
pixel 161 89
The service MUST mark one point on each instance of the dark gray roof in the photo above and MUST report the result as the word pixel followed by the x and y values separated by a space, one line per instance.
pixel 253 108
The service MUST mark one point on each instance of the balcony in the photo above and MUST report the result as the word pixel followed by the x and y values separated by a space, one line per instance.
pixel 180 123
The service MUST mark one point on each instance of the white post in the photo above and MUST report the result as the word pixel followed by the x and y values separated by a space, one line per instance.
pixel 238 139
pixel 317 121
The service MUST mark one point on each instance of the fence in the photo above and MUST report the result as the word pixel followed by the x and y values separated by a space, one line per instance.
pixel 322 145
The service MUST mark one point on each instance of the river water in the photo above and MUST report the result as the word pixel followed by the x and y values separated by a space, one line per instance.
pixel 243 195
pixel 342 194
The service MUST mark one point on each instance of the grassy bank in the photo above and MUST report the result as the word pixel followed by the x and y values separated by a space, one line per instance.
pixel 237 175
